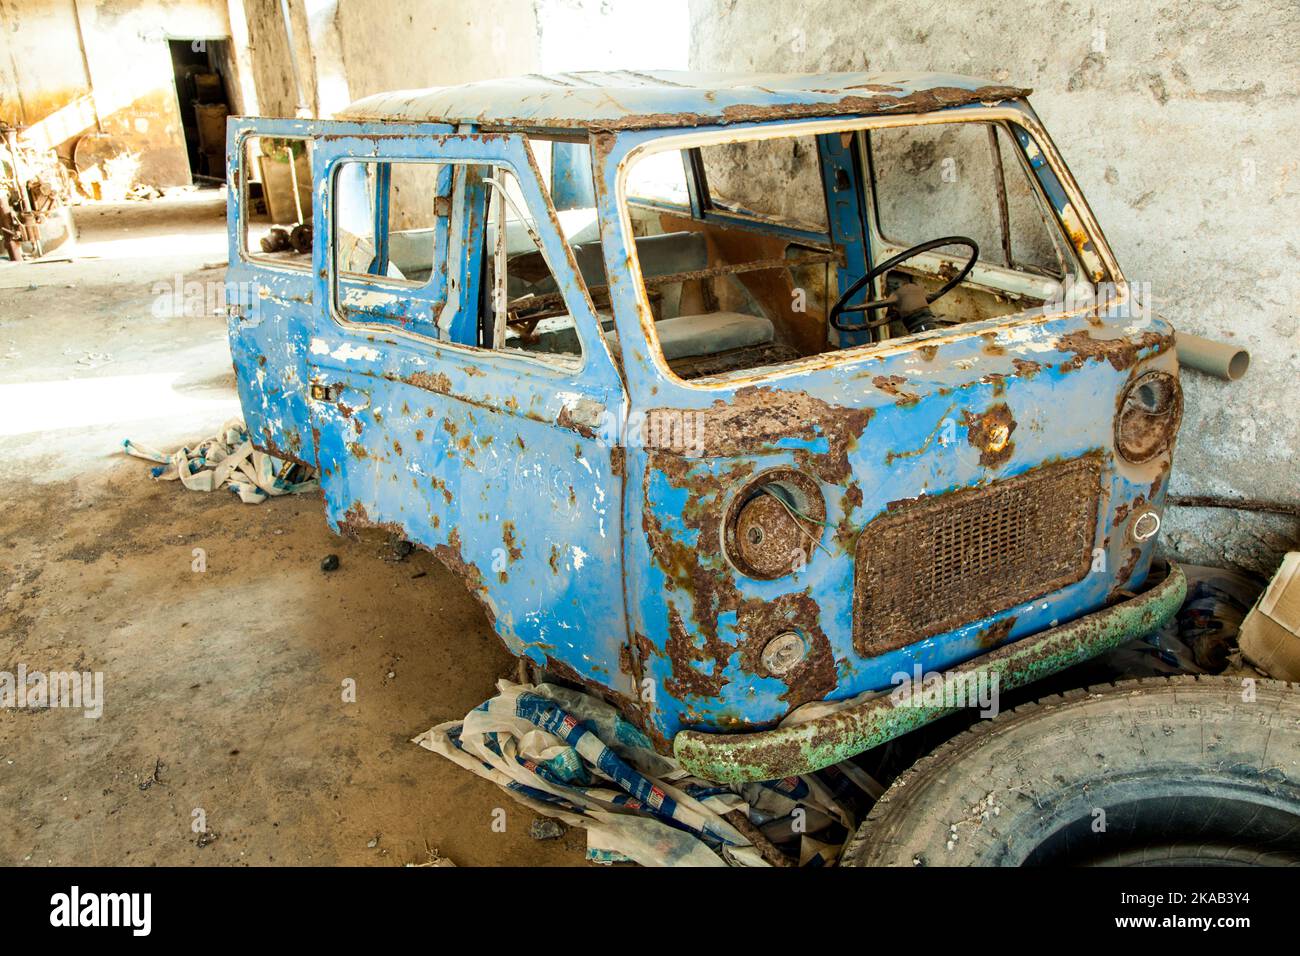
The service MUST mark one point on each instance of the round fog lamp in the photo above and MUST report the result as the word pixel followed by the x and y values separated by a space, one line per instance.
pixel 783 653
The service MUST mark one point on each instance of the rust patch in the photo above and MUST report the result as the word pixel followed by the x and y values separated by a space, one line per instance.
pixel 430 382
pixel 508 539
pixel 761 620
pixel 1126 571
pixel 759 417
pixel 889 384
pixel 356 518
pixel 1121 352
pixel 991 346
pixel 996 633
pixel 269 447
pixel 683 654
pixel 997 380
pixel 763 537
pixel 991 434
pixel 566 420
pixel 922 101
pixel 450 555
pixel 441 485
pixel 1026 368
pixel 853 496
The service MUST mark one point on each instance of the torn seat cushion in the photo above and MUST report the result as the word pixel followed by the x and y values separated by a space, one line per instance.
pixel 709 334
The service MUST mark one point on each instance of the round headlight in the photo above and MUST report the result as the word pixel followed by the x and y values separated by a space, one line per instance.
pixel 773 524
pixel 1149 412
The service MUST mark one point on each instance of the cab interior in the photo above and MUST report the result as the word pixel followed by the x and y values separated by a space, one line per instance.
pixel 745 247
pixel 752 253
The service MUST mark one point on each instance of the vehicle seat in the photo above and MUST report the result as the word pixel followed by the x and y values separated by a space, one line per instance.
pixel 708 334
pixel 660 255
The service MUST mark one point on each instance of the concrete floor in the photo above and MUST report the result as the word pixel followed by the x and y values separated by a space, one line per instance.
pixel 223 688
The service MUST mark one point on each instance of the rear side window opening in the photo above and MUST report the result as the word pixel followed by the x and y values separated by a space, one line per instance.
pixel 768 265
pixel 276 202
pixel 392 249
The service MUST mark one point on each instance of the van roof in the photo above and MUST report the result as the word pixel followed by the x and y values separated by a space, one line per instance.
pixel 625 99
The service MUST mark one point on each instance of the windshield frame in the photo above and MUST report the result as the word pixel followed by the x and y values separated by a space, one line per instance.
pixel 1073 217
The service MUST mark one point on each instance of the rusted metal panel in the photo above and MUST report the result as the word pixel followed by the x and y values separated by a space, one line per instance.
pixel 944 411
pixel 941 560
pixel 598 509
pixel 440 443
pixel 817 743
pixel 622 100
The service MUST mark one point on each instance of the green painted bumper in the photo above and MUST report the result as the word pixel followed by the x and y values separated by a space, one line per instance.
pixel 822 741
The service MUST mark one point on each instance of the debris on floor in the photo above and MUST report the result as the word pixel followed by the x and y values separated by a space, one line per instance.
pixel 544 828
pixel 1270 635
pixel 229 459
pixel 1202 637
pixel 572 757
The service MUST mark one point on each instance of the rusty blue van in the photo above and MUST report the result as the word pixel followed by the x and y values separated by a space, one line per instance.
pixel 732 398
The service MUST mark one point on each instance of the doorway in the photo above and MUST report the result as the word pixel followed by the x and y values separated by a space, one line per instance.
pixel 204 78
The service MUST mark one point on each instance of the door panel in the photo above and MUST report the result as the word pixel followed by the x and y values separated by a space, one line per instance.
pixel 270 307
pixel 492 459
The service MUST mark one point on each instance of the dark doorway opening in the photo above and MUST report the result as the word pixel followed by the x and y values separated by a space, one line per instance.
pixel 204 79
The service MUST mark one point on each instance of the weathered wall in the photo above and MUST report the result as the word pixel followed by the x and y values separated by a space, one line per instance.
pixel 44 81
pixel 1180 120
pixel 272 68
pixel 612 35
pixel 347 49
pixel 405 44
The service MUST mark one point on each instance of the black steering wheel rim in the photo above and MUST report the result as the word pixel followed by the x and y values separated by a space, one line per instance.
pixel 841 307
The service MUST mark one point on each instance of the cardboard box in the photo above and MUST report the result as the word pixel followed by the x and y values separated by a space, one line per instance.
pixel 1270 634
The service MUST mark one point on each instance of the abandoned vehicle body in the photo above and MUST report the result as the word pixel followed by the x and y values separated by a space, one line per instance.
pixel 725 395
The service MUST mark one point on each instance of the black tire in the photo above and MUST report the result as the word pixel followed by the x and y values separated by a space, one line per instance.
pixel 1183 771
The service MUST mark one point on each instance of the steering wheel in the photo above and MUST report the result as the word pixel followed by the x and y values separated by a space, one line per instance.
pixel 841 305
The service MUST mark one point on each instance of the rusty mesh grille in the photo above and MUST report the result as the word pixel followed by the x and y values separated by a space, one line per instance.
pixel 928 566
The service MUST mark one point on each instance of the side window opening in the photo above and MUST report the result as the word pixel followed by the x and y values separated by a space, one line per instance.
pixel 276 179
pixel 390 228
pixel 1035 245
pixel 659 178
pixel 739 178
pixel 746 283
pixel 391 221
pixel 523 307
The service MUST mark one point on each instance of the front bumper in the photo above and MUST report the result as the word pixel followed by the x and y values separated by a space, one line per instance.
pixel 804 747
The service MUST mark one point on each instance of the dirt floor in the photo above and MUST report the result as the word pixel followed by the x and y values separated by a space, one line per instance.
pixel 223 689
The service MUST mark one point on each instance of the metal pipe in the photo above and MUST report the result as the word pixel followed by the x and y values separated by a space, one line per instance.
pixel 1238 504
pixel 1226 361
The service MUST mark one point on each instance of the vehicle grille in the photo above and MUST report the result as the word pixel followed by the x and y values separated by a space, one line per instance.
pixel 927 566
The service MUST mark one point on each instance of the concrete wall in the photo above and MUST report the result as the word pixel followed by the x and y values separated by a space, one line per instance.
pixel 45 83
pixel 1180 121
pixel 347 49
pixel 405 44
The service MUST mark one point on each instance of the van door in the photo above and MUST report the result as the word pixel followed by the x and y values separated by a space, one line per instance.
pixel 270 291
pixel 434 421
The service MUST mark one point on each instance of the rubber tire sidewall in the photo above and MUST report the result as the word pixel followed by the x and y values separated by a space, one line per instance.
pixel 992 795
